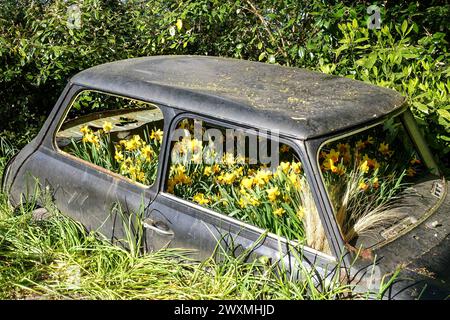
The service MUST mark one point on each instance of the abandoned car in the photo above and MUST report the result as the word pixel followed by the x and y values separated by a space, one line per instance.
pixel 205 147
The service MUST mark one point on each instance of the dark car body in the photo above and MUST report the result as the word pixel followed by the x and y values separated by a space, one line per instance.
pixel 306 108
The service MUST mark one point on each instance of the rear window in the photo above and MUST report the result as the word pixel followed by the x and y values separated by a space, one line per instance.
pixel 367 175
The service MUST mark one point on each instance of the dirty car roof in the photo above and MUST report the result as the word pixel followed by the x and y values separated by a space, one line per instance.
pixel 294 101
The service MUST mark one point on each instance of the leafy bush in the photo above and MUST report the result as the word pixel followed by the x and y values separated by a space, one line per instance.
pixel 39 52
pixel 390 58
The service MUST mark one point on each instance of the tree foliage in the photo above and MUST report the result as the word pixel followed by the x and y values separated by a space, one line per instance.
pixel 41 47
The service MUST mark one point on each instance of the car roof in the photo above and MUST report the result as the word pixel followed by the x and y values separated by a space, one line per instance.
pixel 294 101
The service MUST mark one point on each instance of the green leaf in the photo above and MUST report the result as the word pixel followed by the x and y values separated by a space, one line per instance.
pixel 421 107
pixel 444 114
pixel 404 26
pixel 261 56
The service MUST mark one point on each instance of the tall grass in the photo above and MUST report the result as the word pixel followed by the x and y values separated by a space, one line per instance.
pixel 57 258
pixel 358 213
pixel 7 150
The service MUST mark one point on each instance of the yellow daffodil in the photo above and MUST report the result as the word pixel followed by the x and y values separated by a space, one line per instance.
pixel 364 167
pixel 333 155
pixel 128 162
pixel 343 148
pixel 284 166
pixel 91 138
pixel 134 143
pixel 132 170
pixel 229 178
pixel 85 130
pixel 328 164
pixel 300 213
pixel 107 126
pixel 375 183
pixel 157 135
pixel 262 177
pixel 207 171
pixel 360 145
pixel 371 163
pixel 228 159
pixel 147 152
pixel 141 176
pixel 179 169
pixel 293 178
pixel 87 137
pixel 254 202
pixel 242 202
pixel 239 171
pixel 296 167
pixel 384 149
pixel 363 186
pixel 182 178
pixel 215 168
pixel 247 183
pixel 200 199
pixel 273 193
pixel 118 156
pixel 279 212
pixel 284 148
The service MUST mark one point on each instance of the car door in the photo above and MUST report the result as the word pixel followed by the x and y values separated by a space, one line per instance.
pixel 183 218
pixel 90 160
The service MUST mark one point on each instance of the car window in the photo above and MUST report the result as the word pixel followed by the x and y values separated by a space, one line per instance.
pixel 116 133
pixel 247 176
pixel 367 175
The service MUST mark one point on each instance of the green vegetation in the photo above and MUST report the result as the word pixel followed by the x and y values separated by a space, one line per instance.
pixel 39 51
pixel 364 174
pixel 56 258
pixel 41 48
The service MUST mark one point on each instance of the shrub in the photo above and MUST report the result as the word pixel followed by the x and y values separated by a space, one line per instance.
pixel 38 52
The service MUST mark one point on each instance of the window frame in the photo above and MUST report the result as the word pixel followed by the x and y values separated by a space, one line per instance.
pixel 316 145
pixel 67 105
pixel 207 213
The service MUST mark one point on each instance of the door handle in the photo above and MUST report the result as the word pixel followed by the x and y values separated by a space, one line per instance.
pixel 157 226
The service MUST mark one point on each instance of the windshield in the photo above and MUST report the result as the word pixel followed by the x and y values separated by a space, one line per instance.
pixel 369 176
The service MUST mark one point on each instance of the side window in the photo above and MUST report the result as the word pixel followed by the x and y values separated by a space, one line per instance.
pixel 118 134
pixel 246 176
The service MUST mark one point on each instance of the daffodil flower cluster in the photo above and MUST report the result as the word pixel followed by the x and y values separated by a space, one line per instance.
pixel 233 186
pixel 368 156
pixel 134 157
